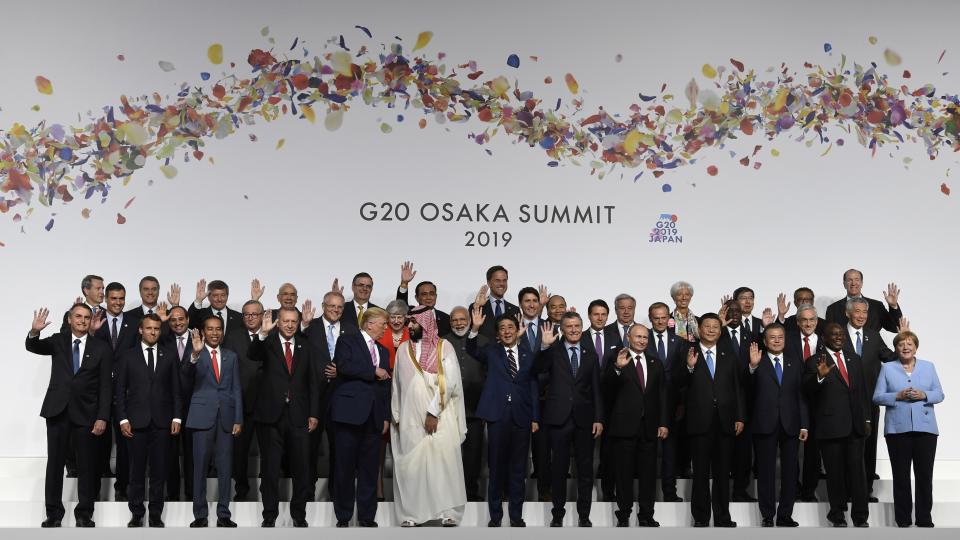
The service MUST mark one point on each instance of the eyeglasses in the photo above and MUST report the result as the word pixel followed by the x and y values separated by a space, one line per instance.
pixel 252 315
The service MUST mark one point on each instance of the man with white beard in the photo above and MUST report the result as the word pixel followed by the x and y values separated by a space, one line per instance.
pixel 428 426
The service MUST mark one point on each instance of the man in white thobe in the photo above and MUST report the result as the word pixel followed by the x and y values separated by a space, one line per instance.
pixel 429 424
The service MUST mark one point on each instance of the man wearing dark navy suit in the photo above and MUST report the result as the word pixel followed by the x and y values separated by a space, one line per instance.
pixel 359 409
pixel 625 307
pixel 217 292
pixel 91 288
pixel 149 288
pixel 509 404
pixel 737 338
pixel 879 317
pixel 216 416
pixel 664 345
pixel 175 335
pixel 532 302
pixel 149 408
pixel 76 405
pixel 573 409
pixel 495 304
pixel 803 296
pixel 778 420
pixel 362 287
pixel 598 312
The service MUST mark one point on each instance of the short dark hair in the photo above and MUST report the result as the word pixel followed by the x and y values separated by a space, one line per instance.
pixel 218 285
pixel 211 317
pixel 115 286
pixel 709 316
pixel 598 303
pixel 282 309
pixel 852 270
pixel 494 269
pixel 88 280
pixel 150 317
pixel 508 318
pixel 740 290
pixel 416 289
pixel 82 305
pixel 774 326
pixel 525 291
pixel 144 279
pixel 360 275
pixel 657 305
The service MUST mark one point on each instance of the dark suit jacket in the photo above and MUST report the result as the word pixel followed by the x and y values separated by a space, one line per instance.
pixel 277 385
pixel 636 411
pixel 794 342
pixel 499 390
pixel 128 336
pixel 774 404
pixel 197 316
pixel 790 325
pixel 743 346
pixel 489 327
pixel 473 373
pixel 86 395
pixel 358 394
pixel 877 317
pixel 443 319
pixel 676 351
pixel 608 344
pixel 65 326
pixel 837 410
pixel 568 395
pixel 349 316
pixel 250 370
pixel 146 398
pixel 612 334
pixel 316 335
pixel 704 394
pixel 209 396
pixel 873 354
pixel 756 328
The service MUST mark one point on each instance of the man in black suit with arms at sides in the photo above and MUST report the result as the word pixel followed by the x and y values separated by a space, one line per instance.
pixel 715 410
pixel 495 304
pixel 77 405
pixel 778 420
pixel 218 292
pixel 425 294
pixel 836 389
pixel 636 386
pixel 239 342
pixel 149 405
pixel 287 411
pixel 573 409
pixel 879 317
pixel 598 312
pixel 664 345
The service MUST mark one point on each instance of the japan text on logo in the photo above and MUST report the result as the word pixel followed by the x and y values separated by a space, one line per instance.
pixel 666 231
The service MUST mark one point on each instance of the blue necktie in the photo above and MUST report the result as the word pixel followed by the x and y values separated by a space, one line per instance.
pixel 76 355
pixel 710 363
pixel 574 361
pixel 532 335
pixel 778 369
pixel 499 309
pixel 331 340
pixel 661 348
pixel 859 345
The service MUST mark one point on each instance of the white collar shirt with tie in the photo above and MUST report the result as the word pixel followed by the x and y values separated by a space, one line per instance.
pixel 812 339
pixel 371 344
pixel 853 333
pixel 148 309
pixel 747 319
pixel 82 345
pixel 143 348
pixel 223 314
pixel 183 341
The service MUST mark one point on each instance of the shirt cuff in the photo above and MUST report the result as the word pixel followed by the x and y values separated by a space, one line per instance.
pixel 402 290
pixel 819 380
pixel 177 420
pixel 124 421
pixel 752 369
pixel 690 369
pixel 472 334
pixel 198 305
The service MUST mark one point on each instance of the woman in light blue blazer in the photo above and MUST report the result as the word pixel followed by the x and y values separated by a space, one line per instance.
pixel 909 389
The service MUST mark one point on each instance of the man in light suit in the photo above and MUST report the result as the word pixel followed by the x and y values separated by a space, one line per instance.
pixel 360 410
pixel 216 415
pixel 879 317
pixel 778 420
pixel 76 405
pixel 510 406
pixel 149 409
pixel 425 294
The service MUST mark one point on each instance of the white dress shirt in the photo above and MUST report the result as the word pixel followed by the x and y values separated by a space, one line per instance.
pixel 366 341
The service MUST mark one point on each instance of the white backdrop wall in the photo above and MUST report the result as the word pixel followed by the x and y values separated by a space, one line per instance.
pixel 293 214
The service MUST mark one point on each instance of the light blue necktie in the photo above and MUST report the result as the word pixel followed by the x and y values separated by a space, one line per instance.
pixel 778 369
pixel 859 345
pixel 499 310
pixel 574 360
pixel 710 363
pixel 532 335
pixel 76 356
pixel 331 340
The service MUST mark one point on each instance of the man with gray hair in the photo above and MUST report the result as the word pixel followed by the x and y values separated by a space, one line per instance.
pixel 625 307
pixel 878 316
pixel 803 341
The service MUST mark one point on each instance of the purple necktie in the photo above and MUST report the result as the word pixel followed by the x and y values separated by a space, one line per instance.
pixel 598 345
pixel 373 353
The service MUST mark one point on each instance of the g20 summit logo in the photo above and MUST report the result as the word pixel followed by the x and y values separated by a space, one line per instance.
pixel 665 231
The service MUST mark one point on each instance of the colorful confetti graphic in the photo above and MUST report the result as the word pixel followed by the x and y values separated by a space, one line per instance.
pixel 819 104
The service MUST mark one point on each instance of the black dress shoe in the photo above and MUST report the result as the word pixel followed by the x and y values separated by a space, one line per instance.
pixel 343 524
pixel 861 524
pixel 585 522
pixel 85 522
pixel 474 498
pixel 787 522
pixel 647 523
pixel 623 523
pixel 300 523
pixel 556 522
pixel 701 523
pixel 268 523
pixel 156 522
pixel 493 523
pixel 199 522
pixel 840 523
pixel 729 524
pixel 925 524
pixel 518 523
pixel 367 523
pixel 71 473
pixel 743 497
pixel 135 521
pixel 226 522
pixel 871 499
pixel 767 522
pixel 50 523
pixel 904 525
pixel 876 476
pixel 672 498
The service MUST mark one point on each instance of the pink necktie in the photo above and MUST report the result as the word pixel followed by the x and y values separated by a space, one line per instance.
pixel 373 353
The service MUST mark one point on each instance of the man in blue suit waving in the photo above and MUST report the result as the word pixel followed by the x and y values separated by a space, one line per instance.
pixel 216 413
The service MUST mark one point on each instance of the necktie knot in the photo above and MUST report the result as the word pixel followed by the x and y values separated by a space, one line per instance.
pixel 76 342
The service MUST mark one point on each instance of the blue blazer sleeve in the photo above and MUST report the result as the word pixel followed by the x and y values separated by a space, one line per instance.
pixel 935 394
pixel 348 365
pixel 884 393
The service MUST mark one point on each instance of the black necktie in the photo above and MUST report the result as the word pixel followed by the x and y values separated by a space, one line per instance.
pixel 513 364
pixel 113 334
pixel 150 363
pixel 253 337
pixel 735 341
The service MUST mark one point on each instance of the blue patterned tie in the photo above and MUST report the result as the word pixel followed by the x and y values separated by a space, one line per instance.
pixel 499 310
pixel 532 335
pixel 574 361
pixel 76 356
pixel 661 348
pixel 859 345
pixel 778 369
pixel 710 363
pixel 331 340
